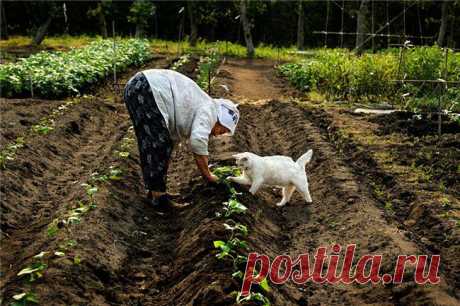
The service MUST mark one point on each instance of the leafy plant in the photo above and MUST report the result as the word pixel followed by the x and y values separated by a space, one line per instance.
pixel 236 228
pixel 57 74
pixel 206 67
pixel 184 59
pixel 341 74
pixel 226 171
pixel 9 153
pixel 233 206
pixel 67 244
pixel 34 271
pixel 24 299
pixel 252 297
pixel 229 248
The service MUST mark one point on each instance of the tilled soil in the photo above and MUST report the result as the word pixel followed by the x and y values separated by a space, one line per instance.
pixel 18 115
pixel 395 168
pixel 130 255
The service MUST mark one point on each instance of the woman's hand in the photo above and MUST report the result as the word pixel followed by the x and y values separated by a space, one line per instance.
pixel 202 164
pixel 212 179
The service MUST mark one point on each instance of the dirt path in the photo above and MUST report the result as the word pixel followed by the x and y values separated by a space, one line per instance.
pixel 252 79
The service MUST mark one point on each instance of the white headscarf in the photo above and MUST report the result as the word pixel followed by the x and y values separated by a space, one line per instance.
pixel 227 114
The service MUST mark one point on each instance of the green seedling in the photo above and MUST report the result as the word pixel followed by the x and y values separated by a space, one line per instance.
pixel 264 285
pixel 40 255
pixel 24 299
pixel 52 228
pixel 389 208
pixel 34 271
pixel 226 171
pixel 67 245
pixel 96 177
pixel 236 228
pixel 9 153
pixel 252 297
pixel 76 260
pixel 229 248
pixel 233 206
pixel 181 61
pixel 43 127
pixel 115 173
pixel 238 274
pixel 445 202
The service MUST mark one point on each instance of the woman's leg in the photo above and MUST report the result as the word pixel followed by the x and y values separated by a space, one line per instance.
pixel 154 141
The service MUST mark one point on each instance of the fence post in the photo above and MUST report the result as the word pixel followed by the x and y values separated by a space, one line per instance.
pixel 114 56
pixel 209 80
pixel 31 87
pixel 442 91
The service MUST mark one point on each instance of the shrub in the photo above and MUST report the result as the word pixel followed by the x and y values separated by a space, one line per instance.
pixel 57 74
pixel 342 74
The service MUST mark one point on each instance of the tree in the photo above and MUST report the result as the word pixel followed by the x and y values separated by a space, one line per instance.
pixel 443 26
pixel 193 23
pixel 102 9
pixel 300 26
pixel 246 28
pixel 3 24
pixel 139 14
pixel 362 26
pixel 51 9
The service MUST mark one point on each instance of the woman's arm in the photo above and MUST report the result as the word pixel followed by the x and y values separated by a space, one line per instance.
pixel 202 164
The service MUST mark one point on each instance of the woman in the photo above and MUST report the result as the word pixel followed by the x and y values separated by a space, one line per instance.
pixel 167 107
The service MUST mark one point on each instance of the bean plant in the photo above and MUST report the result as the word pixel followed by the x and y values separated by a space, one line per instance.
pixel 60 73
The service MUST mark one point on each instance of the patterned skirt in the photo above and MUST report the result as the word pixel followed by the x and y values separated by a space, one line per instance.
pixel 153 138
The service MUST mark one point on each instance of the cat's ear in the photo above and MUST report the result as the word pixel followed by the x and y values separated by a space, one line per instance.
pixel 238 156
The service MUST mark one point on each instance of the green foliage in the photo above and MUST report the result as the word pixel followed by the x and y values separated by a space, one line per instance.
pixel 56 74
pixel 140 12
pixel 207 67
pixel 9 152
pixel 184 59
pixel 371 77
pixel 252 297
pixel 24 299
pixel 233 206
pixel 34 271
pixel 226 171
pixel 230 247
pixel 236 228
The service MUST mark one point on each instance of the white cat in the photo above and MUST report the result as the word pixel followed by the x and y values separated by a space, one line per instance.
pixel 275 170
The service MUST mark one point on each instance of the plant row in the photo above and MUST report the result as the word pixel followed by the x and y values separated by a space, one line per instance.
pixel 57 74
pixel 36 269
pixel 341 74
pixel 227 48
pixel 234 249
pixel 43 127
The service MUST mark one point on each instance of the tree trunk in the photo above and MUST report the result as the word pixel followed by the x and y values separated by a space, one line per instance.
pixel 300 27
pixel 246 29
pixel 156 24
pixel 443 26
pixel 41 32
pixel 193 24
pixel 102 21
pixel 3 24
pixel 362 25
pixel 140 33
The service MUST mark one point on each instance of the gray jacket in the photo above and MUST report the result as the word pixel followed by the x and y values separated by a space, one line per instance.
pixel 189 112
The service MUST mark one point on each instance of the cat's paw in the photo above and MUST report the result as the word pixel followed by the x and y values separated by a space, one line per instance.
pixel 281 204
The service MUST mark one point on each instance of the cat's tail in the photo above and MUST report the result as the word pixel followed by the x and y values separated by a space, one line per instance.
pixel 304 159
